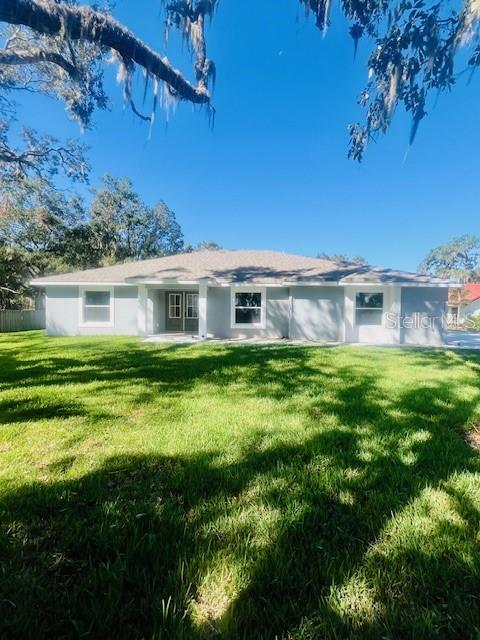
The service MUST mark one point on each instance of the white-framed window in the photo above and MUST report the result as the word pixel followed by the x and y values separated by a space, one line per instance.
pixel 96 306
pixel 248 307
pixel 191 306
pixel 175 305
pixel 369 308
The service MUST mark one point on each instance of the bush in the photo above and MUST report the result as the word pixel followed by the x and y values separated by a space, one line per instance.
pixel 472 323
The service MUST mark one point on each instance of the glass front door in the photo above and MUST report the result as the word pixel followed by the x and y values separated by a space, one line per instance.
pixel 182 311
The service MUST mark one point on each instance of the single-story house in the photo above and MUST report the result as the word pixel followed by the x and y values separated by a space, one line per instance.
pixel 243 294
pixel 463 303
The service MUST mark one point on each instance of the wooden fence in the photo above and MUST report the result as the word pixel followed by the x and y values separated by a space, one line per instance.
pixel 11 320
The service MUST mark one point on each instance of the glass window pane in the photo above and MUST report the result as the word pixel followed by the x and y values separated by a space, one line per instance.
pixel 174 305
pixel 369 300
pixel 97 297
pixel 248 316
pixel 192 305
pixel 97 314
pixel 248 299
pixel 369 317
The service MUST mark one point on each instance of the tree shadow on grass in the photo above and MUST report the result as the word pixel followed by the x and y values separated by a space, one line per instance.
pixel 131 550
pixel 143 372
pixel 380 472
pixel 30 409
pixel 264 546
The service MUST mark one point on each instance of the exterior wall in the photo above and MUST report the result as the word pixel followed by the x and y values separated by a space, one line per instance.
pixel 159 310
pixel 63 312
pixel 219 315
pixel 61 308
pixel 323 313
pixel 468 310
pixel 388 332
pixel 422 315
pixel 317 313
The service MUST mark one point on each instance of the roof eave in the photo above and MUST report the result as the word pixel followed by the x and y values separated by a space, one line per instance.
pixel 76 283
pixel 406 283
pixel 258 283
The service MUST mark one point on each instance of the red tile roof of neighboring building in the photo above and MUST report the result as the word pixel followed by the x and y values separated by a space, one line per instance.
pixel 469 293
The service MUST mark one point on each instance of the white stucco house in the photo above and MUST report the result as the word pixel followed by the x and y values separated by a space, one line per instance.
pixel 243 294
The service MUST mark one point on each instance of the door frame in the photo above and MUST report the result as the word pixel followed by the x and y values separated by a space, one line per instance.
pixel 183 309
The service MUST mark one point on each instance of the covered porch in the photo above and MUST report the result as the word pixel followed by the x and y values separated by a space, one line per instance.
pixel 173 311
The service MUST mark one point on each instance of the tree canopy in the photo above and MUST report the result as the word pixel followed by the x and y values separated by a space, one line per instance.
pixel 15 270
pixel 458 259
pixel 204 245
pixel 417 47
pixel 342 257
pixel 44 231
pixel 124 227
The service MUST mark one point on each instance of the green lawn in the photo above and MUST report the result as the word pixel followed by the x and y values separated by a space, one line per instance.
pixel 197 491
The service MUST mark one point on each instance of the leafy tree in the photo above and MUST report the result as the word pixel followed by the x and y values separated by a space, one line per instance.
pixel 203 245
pixel 59 49
pixel 342 257
pixel 43 231
pixel 37 223
pixel 15 270
pixel 124 227
pixel 165 235
pixel 415 49
pixel 458 259
pixel 35 219
pixel 34 214
pixel 35 63
pixel 74 249
pixel 60 233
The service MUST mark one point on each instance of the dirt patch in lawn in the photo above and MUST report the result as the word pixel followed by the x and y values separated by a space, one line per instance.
pixel 473 438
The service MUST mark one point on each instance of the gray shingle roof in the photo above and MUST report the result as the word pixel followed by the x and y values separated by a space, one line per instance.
pixel 223 267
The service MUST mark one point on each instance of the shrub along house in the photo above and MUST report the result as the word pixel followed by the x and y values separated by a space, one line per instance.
pixel 244 294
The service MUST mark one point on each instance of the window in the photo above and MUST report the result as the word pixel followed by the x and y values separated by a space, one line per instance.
pixel 248 308
pixel 174 305
pixel 97 307
pixel 369 308
pixel 452 314
pixel 191 305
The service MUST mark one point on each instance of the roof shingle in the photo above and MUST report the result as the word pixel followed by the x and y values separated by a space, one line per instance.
pixel 223 267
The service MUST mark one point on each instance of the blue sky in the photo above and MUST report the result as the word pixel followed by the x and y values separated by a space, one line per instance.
pixel 274 171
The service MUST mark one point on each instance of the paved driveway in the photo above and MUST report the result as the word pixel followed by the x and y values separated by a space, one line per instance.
pixel 463 339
